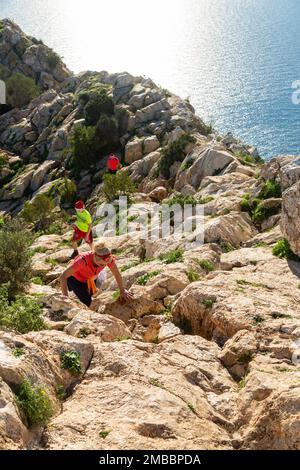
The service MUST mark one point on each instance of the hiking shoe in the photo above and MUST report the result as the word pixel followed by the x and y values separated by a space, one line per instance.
pixel 74 254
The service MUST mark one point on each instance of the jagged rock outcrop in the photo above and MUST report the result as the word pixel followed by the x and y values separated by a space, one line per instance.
pixel 27 55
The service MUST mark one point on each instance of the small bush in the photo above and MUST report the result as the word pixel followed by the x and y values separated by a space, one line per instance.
pixel 142 281
pixel 71 362
pixel 20 90
pixel 22 315
pixel 117 185
pixel 271 189
pixel 98 104
pixel 282 249
pixel 183 200
pixel 174 256
pixel 39 212
pixel 15 258
pixel 193 276
pixel 52 59
pixel 206 265
pixel 174 152
pixel 84 152
pixel 208 303
pixel 35 403
pixel 18 352
pixel 106 134
pixel 66 190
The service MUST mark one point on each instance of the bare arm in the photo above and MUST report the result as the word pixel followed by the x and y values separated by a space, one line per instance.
pixel 117 275
pixel 64 278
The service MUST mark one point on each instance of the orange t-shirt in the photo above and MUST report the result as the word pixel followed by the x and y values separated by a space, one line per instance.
pixel 84 268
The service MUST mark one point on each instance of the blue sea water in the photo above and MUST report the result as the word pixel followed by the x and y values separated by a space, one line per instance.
pixel 235 59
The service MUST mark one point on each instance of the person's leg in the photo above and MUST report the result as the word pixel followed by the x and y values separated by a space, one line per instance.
pixel 75 239
pixel 81 291
pixel 90 241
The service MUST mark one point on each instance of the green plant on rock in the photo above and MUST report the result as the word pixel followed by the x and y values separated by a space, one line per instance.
pixel 174 256
pixel 22 315
pixel 18 352
pixel 193 276
pixel 60 392
pixel 206 265
pixel 183 200
pixel 282 249
pixel 271 189
pixel 104 434
pixel 117 185
pixel 255 207
pixel 142 281
pixel 15 258
pixel 20 90
pixel 174 152
pixel 66 189
pixel 106 134
pixel 83 148
pixel 52 59
pixel 208 303
pixel 71 361
pixel 97 104
pixel 34 402
pixel 39 212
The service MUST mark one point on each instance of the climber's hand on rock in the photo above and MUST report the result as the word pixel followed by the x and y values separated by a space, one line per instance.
pixel 126 296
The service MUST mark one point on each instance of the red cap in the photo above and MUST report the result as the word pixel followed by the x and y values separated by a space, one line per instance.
pixel 79 205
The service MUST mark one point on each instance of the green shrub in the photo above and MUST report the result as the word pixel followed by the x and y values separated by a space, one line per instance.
pixel 15 258
pixel 20 90
pixel 52 59
pixel 117 185
pixel 66 190
pixel 22 315
pixel 271 189
pixel 193 276
pixel 106 134
pixel 18 352
pixel 71 362
pixel 255 206
pixel 208 303
pixel 39 212
pixel 245 203
pixel 37 280
pixel 282 249
pixel 142 281
pixel 35 403
pixel 206 265
pixel 83 147
pixel 183 200
pixel 174 152
pixel 98 104
pixel 174 256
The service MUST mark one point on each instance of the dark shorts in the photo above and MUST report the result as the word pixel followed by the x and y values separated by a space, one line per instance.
pixel 81 290
pixel 112 172
pixel 79 235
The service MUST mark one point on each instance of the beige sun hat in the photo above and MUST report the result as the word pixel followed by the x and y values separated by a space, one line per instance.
pixel 102 249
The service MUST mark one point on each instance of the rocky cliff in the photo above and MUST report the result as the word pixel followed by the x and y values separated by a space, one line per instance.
pixel 205 355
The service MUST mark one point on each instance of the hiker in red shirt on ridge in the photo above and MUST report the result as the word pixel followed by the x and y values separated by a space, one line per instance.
pixel 113 164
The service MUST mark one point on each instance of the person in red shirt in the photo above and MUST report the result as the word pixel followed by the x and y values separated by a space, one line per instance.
pixel 82 275
pixel 113 164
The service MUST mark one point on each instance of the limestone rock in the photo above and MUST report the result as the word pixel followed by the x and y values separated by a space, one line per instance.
pixel 167 407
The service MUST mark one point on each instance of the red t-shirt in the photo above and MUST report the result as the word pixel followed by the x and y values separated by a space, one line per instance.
pixel 113 163
pixel 84 268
